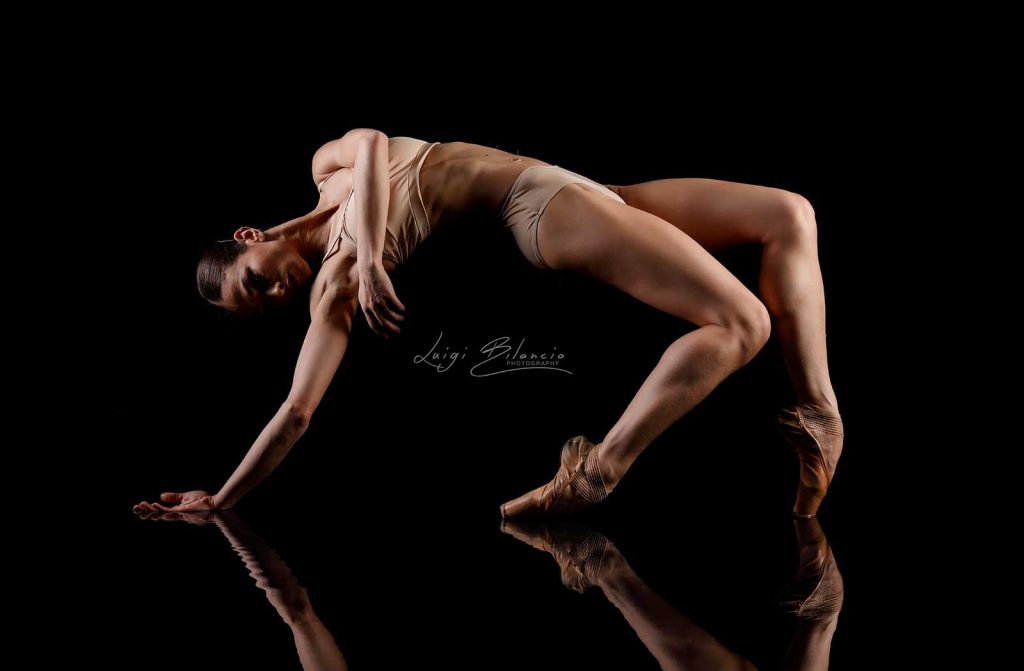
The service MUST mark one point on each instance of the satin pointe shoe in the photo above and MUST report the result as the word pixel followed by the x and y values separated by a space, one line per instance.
pixel 816 590
pixel 582 555
pixel 817 437
pixel 578 484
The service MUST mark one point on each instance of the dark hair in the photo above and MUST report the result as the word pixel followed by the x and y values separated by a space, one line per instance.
pixel 216 259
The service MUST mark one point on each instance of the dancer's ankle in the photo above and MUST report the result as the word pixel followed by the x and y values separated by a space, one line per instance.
pixel 827 402
pixel 612 467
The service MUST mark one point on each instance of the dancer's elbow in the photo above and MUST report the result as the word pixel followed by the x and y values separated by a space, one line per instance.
pixel 297 414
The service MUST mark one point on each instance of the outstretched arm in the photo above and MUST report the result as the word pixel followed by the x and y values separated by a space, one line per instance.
pixel 365 151
pixel 321 354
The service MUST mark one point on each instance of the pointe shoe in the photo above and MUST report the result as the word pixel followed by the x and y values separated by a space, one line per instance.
pixel 816 590
pixel 817 437
pixel 578 484
pixel 582 555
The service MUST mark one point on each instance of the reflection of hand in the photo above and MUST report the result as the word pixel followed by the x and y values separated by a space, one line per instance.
pixel 199 518
pixel 380 304
pixel 183 502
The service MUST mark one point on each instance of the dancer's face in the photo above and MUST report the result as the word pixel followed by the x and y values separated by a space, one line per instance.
pixel 266 274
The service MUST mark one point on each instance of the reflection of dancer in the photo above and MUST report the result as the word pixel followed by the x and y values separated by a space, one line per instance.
pixel 380 197
pixel 314 643
pixel 815 596
pixel 588 558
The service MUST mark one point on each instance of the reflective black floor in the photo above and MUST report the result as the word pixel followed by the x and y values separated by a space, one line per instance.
pixel 318 591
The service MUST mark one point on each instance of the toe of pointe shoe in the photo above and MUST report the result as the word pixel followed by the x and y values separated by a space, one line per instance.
pixel 530 503
pixel 577 485
pixel 809 497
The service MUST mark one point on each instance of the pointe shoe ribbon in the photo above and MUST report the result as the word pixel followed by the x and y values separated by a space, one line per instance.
pixel 577 484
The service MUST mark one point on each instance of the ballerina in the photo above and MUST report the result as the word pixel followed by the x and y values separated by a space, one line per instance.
pixel 381 196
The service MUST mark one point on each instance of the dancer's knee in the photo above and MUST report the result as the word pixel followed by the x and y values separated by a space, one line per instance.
pixel 749 326
pixel 797 223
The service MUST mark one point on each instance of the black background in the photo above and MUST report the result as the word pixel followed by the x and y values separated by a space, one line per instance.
pixel 387 510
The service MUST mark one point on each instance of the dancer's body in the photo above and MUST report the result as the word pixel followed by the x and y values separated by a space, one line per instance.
pixel 380 197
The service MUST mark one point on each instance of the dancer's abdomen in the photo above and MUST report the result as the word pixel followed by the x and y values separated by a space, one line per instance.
pixel 460 179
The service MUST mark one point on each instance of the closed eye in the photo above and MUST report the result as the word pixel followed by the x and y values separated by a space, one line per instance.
pixel 256 282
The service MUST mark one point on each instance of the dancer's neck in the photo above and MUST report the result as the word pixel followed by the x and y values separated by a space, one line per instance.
pixel 310 233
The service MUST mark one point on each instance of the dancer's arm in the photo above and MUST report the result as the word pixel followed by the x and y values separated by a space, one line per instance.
pixel 365 151
pixel 321 354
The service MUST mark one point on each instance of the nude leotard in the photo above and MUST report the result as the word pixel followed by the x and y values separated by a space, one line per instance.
pixel 407 222
pixel 529 197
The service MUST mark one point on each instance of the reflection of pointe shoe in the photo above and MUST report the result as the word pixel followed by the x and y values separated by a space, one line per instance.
pixel 816 590
pixel 577 484
pixel 582 555
pixel 817 437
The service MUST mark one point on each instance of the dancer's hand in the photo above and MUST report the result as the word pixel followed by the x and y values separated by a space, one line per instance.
pixel 381 306
pixel 182 502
